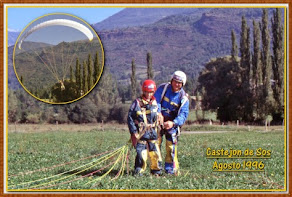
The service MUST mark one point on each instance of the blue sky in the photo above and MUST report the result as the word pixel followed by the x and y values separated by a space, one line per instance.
pixel 18 18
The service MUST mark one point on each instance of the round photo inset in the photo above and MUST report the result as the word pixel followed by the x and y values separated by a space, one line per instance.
pixel 58 58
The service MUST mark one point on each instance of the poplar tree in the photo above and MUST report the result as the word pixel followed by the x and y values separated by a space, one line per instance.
pixel 256 70
pixel 85 82
pixel 278 61
pixel 150 74
pixel 244 50
pixel 97 68
pixel 234 50
pixel 267 64
pixel 245 92
pixel 78 78
pixel 71 74
pixel 133 80
pixel 89 73
pixel 256 57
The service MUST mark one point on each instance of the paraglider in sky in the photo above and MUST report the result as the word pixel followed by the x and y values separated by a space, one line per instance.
pixel 62 22
pixel 46 55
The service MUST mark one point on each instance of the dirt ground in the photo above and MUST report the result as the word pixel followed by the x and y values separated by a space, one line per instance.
pixel 35 128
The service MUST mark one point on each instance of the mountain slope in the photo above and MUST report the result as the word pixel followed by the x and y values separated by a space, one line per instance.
pixel 183 41
pixel 12 37
pixel 130 17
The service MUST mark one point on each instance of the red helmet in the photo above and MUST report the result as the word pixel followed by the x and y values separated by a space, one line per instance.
pixel 148 86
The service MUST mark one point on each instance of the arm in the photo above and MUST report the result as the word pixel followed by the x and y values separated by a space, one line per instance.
pixel 182 113
pixel 131 115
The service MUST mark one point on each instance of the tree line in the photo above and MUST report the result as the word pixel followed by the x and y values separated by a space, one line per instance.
pixel 248 85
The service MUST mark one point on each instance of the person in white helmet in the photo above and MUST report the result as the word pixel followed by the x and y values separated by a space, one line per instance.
pixel 174 105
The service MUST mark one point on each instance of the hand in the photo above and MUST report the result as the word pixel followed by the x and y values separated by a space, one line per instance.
pixel 168 124
pixel 160 119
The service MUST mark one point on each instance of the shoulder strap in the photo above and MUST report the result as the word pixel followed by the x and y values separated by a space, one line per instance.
pixel 184 97
pixel 164 91
pixel 143 109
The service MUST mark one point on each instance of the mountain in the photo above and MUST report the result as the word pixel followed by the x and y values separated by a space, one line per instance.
pixel 12 37
pixel 185 41
pixel 130 17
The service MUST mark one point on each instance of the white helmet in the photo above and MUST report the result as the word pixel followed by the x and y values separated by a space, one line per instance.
pixel 179 76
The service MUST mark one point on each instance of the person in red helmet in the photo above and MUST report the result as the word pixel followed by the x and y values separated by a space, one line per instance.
pixel 143 126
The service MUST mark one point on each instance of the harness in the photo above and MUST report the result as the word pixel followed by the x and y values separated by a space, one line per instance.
pixel 182 97
pixel 144 126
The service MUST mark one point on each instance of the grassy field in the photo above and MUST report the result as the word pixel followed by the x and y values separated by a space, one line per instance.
pixel 63 160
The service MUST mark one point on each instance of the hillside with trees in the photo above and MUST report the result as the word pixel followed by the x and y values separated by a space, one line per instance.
pixel 248 85
pixel 224 52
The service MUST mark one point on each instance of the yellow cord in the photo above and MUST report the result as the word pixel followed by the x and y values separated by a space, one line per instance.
pixel 106 157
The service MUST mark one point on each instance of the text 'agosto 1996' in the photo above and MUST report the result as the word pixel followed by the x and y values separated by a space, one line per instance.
pixel 247 160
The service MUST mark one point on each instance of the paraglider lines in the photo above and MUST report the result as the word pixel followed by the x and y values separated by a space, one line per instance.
pixel 55 180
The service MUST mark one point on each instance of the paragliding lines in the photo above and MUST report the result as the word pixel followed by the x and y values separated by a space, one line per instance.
pixel 57 58
pixel 108 161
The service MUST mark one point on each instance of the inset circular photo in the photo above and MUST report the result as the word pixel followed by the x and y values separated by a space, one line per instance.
pixel 58 58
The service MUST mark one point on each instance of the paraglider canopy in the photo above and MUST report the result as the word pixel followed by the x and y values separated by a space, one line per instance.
pixel 61 22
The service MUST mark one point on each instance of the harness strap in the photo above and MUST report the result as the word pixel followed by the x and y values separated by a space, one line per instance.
pixel 143 111
pixel 145 141
pixel 164 90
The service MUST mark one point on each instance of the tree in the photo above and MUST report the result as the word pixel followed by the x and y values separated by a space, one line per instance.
pixel 67 95
pixel 13 112
pixel 278 63
pixel 150 74
pixel 84 111
pixel 97 68
pixel 219 85
pixel 78 76
pixel 85 81
pixel 71 74
pixel 266 65
pixel 244 87
pixel 257 72
pixel 107 89
pixel 89 73
pixel 234 50
pixel 133 80
pixel 256 57
pixel 244 51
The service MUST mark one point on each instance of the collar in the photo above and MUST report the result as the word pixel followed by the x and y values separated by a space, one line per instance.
pixel 145 102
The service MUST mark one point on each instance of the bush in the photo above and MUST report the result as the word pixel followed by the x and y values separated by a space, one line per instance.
pixel 33 118
pixel 120 113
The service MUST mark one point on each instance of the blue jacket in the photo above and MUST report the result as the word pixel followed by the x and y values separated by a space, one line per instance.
pixel 174 106
pixel 135 116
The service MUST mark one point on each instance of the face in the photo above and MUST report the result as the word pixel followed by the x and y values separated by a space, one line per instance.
pixel 176 86
pixel 148 95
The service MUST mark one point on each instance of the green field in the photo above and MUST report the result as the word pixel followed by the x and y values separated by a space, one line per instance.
pixel 55 153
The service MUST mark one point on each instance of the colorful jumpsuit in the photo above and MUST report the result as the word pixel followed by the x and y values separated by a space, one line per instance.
pixel 174 107
pixel 145 112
